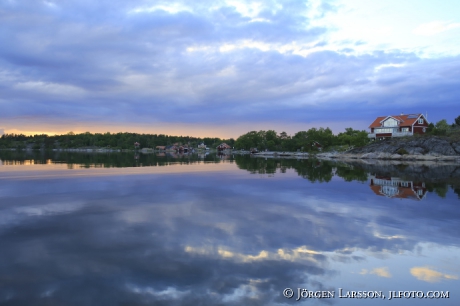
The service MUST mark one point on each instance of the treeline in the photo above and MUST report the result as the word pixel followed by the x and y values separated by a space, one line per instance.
pixel 106 140
pixel 313 139
pixel 442 128
pixel 306 141
pixel 270 140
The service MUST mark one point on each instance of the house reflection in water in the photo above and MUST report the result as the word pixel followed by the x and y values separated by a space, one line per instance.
pixel 224 156
pixel 394 187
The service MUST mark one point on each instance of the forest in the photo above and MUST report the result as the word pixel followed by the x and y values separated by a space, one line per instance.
pixel 106 140
pixel 314 139
pixel 263 140
pixel 306 141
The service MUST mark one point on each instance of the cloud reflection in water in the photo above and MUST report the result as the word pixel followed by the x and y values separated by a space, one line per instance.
pixel 221 238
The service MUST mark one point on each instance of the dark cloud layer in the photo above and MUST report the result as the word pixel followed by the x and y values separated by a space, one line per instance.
pixel 155 61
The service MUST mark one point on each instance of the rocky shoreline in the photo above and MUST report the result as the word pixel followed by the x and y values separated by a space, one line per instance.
pixel 389 156
pixel 365 156
pixel 409 148
pixel 433 148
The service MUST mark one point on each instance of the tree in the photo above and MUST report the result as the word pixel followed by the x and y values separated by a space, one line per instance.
pixel 249 140
pixel 301 140
pixel 353 137
pixel 431 129
pixel 441 127
pixel 457 120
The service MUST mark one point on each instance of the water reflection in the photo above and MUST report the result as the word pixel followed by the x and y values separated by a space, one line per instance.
pixel 225 156
pixel 394 187
pixel 391 179
pixel 225 238
pixel 102 160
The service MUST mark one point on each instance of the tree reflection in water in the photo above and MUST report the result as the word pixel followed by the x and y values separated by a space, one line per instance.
pixel 225 237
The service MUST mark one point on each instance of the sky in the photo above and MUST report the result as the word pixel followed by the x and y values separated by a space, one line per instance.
pixel 223 68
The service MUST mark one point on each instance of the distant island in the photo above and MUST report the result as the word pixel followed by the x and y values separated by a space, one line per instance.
pixel 439 139
pixel 313 140
pixel 112 141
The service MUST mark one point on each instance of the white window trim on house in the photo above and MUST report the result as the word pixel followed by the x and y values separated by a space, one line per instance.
pixel 390 122
pixel 389 119
pixel 389 191
pixel 383 130
pixel 382 182
pixel 420 119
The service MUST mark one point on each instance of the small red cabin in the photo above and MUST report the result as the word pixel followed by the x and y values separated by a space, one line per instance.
pixel 223 147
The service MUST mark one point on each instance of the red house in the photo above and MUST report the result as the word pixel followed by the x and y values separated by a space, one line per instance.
pixel 398 126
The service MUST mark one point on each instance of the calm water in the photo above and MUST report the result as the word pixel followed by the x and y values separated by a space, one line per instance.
pixel 128 229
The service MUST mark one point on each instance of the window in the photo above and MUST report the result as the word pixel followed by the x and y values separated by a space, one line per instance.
pixel 383 130
pixel 405 130
pixel 420 121
pixel 389 191
pixel 424 130
pixel 390 122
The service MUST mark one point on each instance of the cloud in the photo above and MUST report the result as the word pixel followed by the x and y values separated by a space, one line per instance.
pixel 382 272
pixel 429 275
pixel 294 255
pixel 211 63
pixel 435 27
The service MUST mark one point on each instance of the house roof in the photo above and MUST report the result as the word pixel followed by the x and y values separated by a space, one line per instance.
pixel 403 192
pixel 224 145
pixel 404 120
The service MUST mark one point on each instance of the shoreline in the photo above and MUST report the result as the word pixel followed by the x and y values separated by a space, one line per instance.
pixel 271 154
pixel 359 156
pixel 390 157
